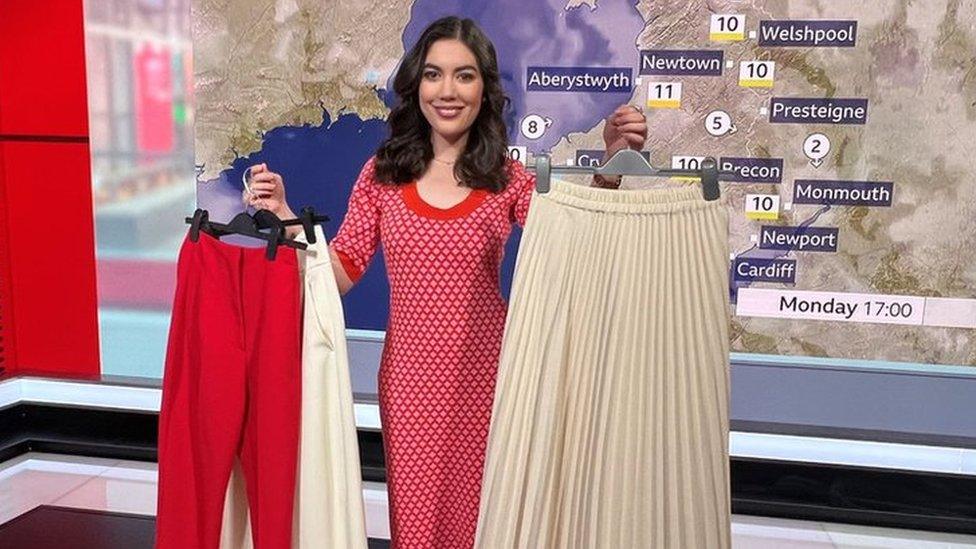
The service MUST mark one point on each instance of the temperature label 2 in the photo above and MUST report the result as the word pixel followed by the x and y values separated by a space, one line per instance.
pixel 762 206
pixel 756 74
pixel 664 95
pixel 727 27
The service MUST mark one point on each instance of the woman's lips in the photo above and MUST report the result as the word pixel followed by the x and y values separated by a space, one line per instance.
pixel 448 112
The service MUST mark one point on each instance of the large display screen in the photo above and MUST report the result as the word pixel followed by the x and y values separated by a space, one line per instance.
pixel 848 127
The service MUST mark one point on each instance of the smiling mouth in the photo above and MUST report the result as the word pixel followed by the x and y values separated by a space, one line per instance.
pixel 448 112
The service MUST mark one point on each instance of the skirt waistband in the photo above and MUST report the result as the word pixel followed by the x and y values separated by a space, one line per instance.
pixel 647 201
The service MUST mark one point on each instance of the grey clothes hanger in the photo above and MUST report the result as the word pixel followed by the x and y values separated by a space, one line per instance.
pixel 629 162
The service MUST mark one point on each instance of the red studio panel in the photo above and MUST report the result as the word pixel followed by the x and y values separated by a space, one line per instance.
pixel 48 307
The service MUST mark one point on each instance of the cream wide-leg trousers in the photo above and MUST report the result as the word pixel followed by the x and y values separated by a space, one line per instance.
pixel 610 421
pixel 329 511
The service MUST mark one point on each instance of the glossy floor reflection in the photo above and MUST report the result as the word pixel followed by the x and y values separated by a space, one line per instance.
pixel 130 487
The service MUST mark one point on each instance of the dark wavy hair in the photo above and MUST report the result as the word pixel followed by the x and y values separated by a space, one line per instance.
pixel 407 152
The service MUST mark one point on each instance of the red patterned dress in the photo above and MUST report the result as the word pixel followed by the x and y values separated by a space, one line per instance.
pixel 447 315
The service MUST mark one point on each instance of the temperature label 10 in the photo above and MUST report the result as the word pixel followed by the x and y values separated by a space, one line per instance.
pixel 756 74
pixel 727 27
pixel 518 153
pixel 762 206
pixel 686 163
pixel 664 95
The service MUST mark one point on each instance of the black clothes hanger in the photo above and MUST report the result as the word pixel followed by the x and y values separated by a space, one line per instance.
pixel 200 220
pixel 264 219
pixel 267 220
pixel 243 224
pixel 308 219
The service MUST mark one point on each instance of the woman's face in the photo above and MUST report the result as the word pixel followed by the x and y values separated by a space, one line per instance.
pixel 451 88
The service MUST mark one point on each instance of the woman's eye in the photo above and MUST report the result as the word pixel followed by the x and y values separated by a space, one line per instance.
pixel 466 77
pixel 430 75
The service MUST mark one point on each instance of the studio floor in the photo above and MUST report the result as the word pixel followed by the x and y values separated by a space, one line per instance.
pixel 34 480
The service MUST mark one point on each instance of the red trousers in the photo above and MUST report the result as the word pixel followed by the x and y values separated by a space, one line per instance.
pixel 231 389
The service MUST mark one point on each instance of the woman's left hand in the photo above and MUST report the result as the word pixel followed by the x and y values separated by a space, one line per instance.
pixel 626 127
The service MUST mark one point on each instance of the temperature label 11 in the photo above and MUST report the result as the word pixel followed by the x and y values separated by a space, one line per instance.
pixel 727 27
pixel 756 74
pixel 762 206
pixel 664 95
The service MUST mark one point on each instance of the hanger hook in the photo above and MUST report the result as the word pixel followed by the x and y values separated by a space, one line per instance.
pixel 246 179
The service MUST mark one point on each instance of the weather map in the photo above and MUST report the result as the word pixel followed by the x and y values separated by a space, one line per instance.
pixel 847 130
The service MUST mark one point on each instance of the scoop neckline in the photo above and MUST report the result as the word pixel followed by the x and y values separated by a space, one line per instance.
pixel 413 200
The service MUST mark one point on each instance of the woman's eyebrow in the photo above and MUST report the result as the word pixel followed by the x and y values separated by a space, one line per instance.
pixel 464 68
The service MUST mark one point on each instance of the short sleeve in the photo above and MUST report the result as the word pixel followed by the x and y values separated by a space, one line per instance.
pixel 522 185
pixel 359 233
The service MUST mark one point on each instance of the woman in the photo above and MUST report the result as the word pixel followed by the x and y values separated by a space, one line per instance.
pixel 441 195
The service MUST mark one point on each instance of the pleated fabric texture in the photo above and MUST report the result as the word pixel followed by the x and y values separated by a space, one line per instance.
pixel 329 511
pixel 610 420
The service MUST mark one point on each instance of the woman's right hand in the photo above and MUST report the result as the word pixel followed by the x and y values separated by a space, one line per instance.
pixel 268 192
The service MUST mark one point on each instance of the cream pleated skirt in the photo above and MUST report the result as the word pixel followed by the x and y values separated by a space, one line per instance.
pixel 329 511
pixel 610 421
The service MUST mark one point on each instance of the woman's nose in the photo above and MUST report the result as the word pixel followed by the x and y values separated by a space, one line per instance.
pixel 447 90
